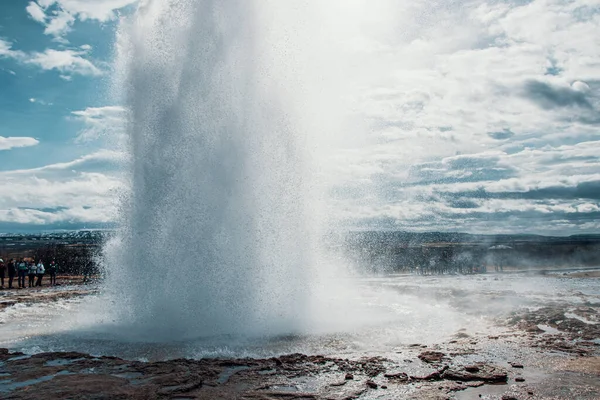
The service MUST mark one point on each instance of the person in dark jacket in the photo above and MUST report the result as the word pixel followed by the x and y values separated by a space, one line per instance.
pixel 52 272
pixel 12 272
pixel 2 273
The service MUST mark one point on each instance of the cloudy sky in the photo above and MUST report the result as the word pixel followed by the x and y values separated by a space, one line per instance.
pixel 477 116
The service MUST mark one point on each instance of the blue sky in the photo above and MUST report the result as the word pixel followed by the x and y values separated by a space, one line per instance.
pixel 38 101
pixel 477 116
pixel 55 63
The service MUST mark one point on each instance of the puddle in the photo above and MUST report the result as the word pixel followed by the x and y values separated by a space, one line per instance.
pixel 483 392
pixel 9 385
pixel 129 375
pixel 580 318
pixel 284 388
pixel 59 362
pixel 548 330
pixel 134 378
pixel 17 358
pixel 228 373
pixel 267 372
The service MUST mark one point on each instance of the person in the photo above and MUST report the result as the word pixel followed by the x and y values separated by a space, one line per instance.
pixel 22 270
pixel 52 272
pixel 40 271
pixel 2 273
pixel 32 272
pixel 12 272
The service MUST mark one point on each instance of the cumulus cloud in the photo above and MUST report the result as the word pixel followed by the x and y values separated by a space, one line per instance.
pixel 481 117
pixel 80 192
pixel 58 16
pixel 102 122
pixel 471 116
pixel 7 143
pixel 68 62
pixel 7 51
pixel 64 61
pixel 549 96
pixel 36 12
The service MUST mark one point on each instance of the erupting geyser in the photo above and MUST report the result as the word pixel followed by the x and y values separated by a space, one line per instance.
pixel 219 233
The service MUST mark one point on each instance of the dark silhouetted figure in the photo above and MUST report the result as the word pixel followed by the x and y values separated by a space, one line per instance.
pixel 2 273
pixel 12 272
pixel 52 272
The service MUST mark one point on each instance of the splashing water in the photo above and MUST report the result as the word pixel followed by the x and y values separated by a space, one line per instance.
pixel 221 226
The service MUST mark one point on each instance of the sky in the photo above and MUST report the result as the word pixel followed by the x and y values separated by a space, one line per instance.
pixel 474 116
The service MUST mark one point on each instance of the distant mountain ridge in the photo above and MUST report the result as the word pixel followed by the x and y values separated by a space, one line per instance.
pixel 398 237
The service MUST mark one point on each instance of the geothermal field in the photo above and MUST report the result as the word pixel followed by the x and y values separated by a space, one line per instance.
pixel 277 209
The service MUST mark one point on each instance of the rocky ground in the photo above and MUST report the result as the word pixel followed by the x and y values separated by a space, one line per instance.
pixel 551 352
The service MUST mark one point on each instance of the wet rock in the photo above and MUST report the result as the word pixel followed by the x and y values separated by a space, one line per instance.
pixel 431 356
pixel 371 384
pixel 486 373
pixel 400 376
pixel 171 390
pixel 434 376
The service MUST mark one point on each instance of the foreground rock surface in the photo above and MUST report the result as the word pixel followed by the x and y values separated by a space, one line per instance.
pixel 76 375
pixel 551 351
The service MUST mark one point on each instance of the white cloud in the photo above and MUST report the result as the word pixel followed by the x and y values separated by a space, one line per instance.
pixel 59 21
pixel 80 191
pixel 106 122
pixel 7 143
pixel 39 101
pixel 496 97
pixel 59 24
pixel 101 160
pixel 7 51
pixel 580 86
pixel 36 12
pixel 67 62
pixel 476 116
pixel 64 61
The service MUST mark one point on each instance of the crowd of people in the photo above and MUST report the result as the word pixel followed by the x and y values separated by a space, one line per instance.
pixel 29 273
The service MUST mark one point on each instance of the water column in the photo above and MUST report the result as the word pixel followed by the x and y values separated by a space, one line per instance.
pixel 216 237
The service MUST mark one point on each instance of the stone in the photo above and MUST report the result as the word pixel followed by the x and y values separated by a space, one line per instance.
pixel 431 356
pixel 371 384
pixel 485 373
pixel 402 376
